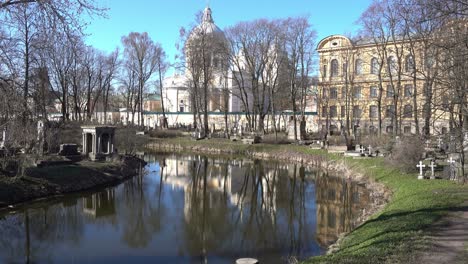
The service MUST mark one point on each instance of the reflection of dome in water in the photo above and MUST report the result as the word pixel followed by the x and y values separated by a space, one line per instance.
pixel 207 27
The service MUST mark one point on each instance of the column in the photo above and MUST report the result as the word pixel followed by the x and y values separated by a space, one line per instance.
pixel 98 149
pixel 94 144
pixel 84 143
pixel 112 143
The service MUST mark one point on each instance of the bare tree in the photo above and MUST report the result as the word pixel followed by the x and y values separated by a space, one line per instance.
pixel 254 45
pixel 163 66
pixel 143 54
pixel 300 45
pixel 373 26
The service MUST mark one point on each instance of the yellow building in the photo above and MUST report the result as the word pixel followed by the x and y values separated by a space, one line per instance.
pixel 360 81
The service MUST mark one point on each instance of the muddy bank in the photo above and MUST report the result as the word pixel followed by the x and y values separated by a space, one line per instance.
pixel 57 180
pixel 379 193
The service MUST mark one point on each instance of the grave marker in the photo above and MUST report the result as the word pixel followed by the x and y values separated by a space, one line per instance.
pixel 421 166
pixel 433 165
pixel 452 164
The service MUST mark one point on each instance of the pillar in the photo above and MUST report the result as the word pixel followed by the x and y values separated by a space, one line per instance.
pixel 84 150
pixel 94 144
pixel 109 145
pixel 98 149
pixel 112 143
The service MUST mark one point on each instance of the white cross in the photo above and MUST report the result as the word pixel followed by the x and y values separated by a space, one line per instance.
pixel 439 140
pixel 433 165
pixel 421 166
pixel 451 163
pixel 361 149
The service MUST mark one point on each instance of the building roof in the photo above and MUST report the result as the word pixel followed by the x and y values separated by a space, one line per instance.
pixel 153 97
pixel 207 27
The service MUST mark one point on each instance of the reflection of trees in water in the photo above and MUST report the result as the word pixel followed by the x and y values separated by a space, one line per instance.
pixel 260 208
pixel 339 203
pixel 141 217
pixel 34 233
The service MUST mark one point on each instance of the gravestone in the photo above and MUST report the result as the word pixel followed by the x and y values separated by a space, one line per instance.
pixel 68 150
pixel 453 169
pixel 247 261
pixel 290 129
pixel 370 151
pixel 432 166
pixel 421 174
pixel 40 136
pixel 198 135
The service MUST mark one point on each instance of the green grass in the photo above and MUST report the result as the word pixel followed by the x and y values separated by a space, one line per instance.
pixel 395 234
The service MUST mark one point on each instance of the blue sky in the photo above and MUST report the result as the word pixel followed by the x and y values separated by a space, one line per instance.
pixel 162 19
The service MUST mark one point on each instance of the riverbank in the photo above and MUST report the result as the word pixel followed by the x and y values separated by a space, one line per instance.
pixel 62 179
pixel 396 228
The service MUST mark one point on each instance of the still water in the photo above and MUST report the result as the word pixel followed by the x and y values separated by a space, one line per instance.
pixel 189 209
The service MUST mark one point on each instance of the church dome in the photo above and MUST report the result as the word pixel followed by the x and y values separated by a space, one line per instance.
pixel 207 27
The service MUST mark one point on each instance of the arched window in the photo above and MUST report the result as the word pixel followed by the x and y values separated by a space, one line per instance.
pixel 391 64
pixel 374 66
pixel 429 61
pixel 409 64
pixel 334 68
pixel 408 111
pixel 358 67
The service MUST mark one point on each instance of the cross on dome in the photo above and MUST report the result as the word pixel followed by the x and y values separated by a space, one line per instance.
pixel 207 17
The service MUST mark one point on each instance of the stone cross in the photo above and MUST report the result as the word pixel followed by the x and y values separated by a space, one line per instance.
pixel 361 149
pixel 439 142
pixel 2 142
pixel 433 165
pixel 421 166
pixel 451 163
pixel 428 142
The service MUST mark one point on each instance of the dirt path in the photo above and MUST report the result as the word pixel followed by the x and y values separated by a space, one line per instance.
pixel 449 239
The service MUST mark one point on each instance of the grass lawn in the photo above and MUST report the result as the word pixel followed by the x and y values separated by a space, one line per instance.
pixel 394 235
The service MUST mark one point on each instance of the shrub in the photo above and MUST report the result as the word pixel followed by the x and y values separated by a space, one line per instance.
pixel 165 133
pixel 127 142
pixel 406 154
pixel 271 139
pixel 337 140
pixel 383 141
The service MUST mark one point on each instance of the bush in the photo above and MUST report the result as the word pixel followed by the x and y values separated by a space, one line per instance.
pixel 127 142
pixel 165 133
pixel 337 141
pixel 406 154
pixel 271 139
pixel 383 141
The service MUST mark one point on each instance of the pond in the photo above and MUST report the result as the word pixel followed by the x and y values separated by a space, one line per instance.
pixel 189 209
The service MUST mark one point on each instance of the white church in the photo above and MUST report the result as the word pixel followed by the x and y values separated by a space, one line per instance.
pixel 176 92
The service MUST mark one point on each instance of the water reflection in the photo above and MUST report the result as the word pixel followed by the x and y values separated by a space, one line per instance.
pixel 338 201
pixel 189 209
